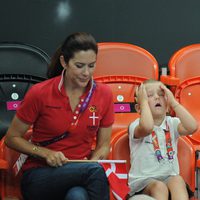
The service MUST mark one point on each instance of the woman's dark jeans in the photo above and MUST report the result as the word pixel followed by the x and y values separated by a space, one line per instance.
pixel 72 181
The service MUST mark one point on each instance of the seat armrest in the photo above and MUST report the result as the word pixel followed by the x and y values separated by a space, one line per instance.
pixel 170 80
pixel 3 164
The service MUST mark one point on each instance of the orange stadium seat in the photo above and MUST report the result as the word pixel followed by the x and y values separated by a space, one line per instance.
pixel 123 88
pixel 184 77
pixel 10 174
pixel 188 165
pixel 124 66
pixel 183 64
pixel 187 93
pixel 10 162
pixel 125 59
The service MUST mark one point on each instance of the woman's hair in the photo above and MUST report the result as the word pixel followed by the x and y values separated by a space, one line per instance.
pixel 73 43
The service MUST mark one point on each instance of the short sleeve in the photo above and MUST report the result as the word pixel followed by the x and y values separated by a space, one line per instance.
pixel 176 122
pixel 132 127
pixel 28 110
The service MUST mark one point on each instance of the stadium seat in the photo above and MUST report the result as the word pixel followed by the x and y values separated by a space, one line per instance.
pixel 189 167
pixel 183 64
pixel 10 174
pixel 125 59
pixel 20 58
pixel 22 65
pixel 12 90
pixel 124 66
pixel 123 88
pixel 121 66
pixel 187 93
pixel 10 162
pixel 184 77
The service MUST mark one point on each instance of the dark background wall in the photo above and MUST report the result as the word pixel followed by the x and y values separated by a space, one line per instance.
pixel 160 26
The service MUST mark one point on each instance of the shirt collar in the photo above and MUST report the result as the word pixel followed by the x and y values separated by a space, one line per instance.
pixel 61 80
pixel 61 88
pixel 163 125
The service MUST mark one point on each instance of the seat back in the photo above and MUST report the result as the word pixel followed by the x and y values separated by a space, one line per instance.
pixel 187 162
pixel 123 88
pixel 12 90
pixel 124 66
pixel 186 154
pixel 125 59
pixel 10 175
pixel 187 93
pixel 120 148
pixel 22 65
pixel 19 58
pixel 184 63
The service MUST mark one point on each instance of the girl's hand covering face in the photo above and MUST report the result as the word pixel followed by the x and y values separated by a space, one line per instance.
pixel 141 94
pixel 167 94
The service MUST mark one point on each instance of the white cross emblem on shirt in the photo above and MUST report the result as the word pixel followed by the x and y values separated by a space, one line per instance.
pixel 93 117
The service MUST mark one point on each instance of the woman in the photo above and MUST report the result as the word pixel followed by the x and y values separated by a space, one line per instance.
pixel 66 113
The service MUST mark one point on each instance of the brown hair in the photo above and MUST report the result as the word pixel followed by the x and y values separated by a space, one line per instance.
pixel 72 44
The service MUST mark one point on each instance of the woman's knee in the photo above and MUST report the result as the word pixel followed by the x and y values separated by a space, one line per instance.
pixel 97 171
pixel 77 193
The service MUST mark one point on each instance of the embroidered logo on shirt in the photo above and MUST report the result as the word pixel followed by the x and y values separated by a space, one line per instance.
pixel 93 118
pixel 93 108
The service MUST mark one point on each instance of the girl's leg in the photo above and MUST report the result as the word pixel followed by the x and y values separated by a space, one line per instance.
pixel 177 188
pixel 157 189
pixel 141 197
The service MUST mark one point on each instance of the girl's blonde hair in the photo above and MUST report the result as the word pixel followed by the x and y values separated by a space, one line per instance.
pixel 145 83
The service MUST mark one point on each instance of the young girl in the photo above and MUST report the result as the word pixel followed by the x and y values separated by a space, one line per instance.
pixel 153 143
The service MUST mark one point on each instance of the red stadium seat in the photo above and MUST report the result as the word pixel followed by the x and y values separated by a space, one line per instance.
pixel 125 59
pixel 185 76
pixel 123 88
pixel 120 148
pixel 123 67
pixel 186 155
pixel 183 64
pixel 10 174
pixel 187 93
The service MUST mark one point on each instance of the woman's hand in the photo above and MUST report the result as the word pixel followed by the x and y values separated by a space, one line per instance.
pixel 55 158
